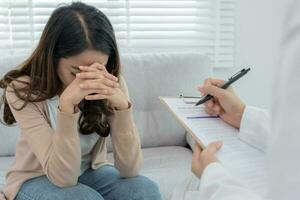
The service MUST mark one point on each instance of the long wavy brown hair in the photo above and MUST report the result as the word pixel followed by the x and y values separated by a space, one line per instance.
pixel 70 30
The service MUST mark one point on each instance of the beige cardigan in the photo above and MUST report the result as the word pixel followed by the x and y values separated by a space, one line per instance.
pixel 42 150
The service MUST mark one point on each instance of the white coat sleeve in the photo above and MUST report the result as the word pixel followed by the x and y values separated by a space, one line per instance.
pixel 255 127
pixel 218 184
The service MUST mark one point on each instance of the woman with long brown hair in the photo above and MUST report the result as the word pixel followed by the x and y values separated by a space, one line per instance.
pixel 67 98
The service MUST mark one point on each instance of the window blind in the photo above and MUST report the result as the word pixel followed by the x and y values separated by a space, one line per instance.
pixel 204 26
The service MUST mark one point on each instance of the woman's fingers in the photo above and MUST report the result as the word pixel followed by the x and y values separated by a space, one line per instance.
pixel 97 70
pixel 103 68
pixel 98 66
pixel 111 77
pixel 93 86
pixel 110 83
pixel 98 94
pixel 95 75
pixel 100 91
pixel 94 67
pixel 98 84
pixel 87 69
pixel 96 97
pixel 89 75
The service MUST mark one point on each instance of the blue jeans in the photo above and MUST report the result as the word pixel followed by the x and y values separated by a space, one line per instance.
pixel 103 183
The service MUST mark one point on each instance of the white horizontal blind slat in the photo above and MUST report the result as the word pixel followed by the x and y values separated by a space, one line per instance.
pixel 205 26
pixel 224 51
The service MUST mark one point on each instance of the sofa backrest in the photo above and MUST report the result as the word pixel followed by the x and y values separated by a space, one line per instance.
pixel 147 76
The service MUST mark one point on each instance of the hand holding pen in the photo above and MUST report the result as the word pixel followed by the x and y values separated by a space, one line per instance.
pixel 225 85
pixel 223 103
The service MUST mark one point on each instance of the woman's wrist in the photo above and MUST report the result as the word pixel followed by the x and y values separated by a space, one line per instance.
pixel 67 109
pixel 66 106
pixel 122 106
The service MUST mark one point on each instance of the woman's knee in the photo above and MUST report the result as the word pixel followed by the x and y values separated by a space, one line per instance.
pixel 42 189
pixel 106 175
pixel 141 187
pixel 78 192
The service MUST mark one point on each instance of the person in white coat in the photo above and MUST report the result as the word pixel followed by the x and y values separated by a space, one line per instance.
pixel 280 138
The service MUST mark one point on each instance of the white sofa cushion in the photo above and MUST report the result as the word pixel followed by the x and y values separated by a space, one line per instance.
pixel 167 166
pixel 148 76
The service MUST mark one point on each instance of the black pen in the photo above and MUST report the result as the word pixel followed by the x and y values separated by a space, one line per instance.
pixel 225 86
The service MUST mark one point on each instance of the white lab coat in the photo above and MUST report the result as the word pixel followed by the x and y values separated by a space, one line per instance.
pixel 281 139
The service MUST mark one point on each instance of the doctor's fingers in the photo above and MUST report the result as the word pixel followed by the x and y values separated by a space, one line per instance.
pixel 214 82
pixel 218 83
pixel 213 105
pixel 210 103
pixel 197 150
pixel 214 146
pixel 211 112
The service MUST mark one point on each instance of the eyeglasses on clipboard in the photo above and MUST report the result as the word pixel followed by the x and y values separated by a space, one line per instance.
pixel 189 99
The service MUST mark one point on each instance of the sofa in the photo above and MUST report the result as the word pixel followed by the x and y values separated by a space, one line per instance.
pixel 167 156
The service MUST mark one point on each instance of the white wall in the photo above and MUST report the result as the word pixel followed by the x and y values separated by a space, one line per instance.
pixel 258 34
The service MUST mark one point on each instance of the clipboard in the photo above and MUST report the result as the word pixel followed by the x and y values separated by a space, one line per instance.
pixel 243 161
